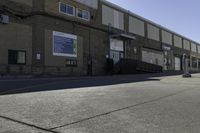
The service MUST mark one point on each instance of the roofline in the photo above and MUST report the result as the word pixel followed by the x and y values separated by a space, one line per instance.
pixel 147 20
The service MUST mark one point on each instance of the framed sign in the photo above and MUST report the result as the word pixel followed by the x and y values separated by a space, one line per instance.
pixel 117 45
pixel 64 44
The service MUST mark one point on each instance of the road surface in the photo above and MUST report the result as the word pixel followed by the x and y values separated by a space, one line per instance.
pixel 116 104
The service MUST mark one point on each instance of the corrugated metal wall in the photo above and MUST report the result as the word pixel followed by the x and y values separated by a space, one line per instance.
pixel 178 42
pixel 193 47
pixel 166 37
pixel 186 44
pixel 113 17
pixel 153 32
pixel 198 49
pixel 136 26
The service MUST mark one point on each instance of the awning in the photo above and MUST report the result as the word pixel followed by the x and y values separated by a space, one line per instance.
pixel 124 36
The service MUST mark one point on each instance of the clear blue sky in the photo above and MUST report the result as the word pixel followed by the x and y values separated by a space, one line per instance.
pixel 181 16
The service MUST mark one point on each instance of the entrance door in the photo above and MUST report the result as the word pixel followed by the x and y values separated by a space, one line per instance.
pixel 177 64
pixel 116 50
pixel 116 55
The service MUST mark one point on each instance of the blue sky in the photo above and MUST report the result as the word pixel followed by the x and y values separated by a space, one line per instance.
pixel 181 16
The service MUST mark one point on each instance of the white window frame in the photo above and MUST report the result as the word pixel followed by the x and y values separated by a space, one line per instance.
pixel 82 12
pixel 74 9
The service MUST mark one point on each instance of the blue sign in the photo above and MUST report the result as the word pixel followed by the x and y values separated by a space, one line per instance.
pixel 64 44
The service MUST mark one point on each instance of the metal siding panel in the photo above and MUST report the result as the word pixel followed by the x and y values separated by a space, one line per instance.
pixel 136 26
pixel 178 41
pixel 121 21
pixel 107 15
pixel 186 44
pixel 166 37
pixel 198 47
pixel 113 17
pixel 153 32
pixel 193 47
pixel 116 19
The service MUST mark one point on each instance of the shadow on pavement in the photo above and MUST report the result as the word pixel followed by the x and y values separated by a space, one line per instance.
pixel 35 85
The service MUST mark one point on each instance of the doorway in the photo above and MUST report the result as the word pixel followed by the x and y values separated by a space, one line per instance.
pixel 116 50
pixel 177 63
pixel 116 55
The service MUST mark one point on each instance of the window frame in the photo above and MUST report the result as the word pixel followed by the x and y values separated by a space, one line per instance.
pixel 82 14
pixel 74 9
pixel 16 61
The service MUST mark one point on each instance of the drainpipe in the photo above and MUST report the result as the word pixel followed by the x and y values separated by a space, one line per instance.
pixel 109 36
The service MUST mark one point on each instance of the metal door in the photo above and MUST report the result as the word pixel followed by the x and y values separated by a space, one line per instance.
pixel 177 64
pixel 115 55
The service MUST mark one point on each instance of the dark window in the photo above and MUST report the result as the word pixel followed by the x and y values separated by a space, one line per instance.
pixel 16 57
pixel 86 15
pixel 70 10
pixel 67 9
pixel 83 14
pixel 79 13
pixel 62 7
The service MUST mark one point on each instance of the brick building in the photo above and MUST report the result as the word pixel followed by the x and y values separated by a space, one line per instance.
pixel 75 37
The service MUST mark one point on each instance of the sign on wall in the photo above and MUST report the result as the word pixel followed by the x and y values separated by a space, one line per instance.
pixel 117 45
pixel 64 44
pixel 90 3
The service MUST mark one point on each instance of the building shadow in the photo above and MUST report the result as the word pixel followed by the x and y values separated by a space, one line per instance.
pixel 8 87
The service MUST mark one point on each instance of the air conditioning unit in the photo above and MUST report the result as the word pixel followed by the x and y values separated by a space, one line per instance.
pixel 4 19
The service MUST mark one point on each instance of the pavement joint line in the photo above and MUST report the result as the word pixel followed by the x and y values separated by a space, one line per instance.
pixel 121 109
pixel 27 124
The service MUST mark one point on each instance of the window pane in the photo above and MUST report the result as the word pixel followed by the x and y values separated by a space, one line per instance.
pixel 62 8
pixel 80 15
pixel 85 15
pixel 70 10
pixel 21 58
pixel 12 57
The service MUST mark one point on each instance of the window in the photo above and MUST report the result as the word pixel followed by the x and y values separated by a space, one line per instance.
pixel 83 14
pixel 67 9
pixel 16 57
pixel 194 62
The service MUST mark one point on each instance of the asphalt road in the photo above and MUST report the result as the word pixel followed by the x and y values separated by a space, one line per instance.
pixel 117 104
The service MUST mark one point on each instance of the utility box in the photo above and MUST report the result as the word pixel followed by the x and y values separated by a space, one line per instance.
pixel 4 19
